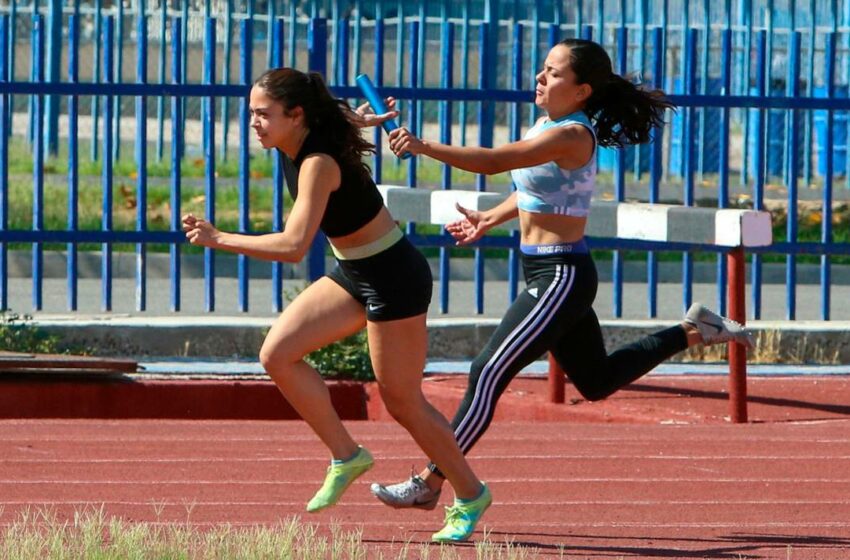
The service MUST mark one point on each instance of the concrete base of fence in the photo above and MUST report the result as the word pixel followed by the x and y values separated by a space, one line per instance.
pixel 461 339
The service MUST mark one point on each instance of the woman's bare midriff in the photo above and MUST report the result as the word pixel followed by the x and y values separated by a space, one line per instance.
pixel 379 226
pixel 550 229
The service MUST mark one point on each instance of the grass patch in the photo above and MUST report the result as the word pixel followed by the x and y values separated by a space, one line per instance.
pixel 260 200
pixel 92 534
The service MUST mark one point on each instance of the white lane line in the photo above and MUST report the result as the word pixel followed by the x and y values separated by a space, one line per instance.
pixel 514 525
pixel 377 505
pixel 393 438
pixel 559 457
pixel 490 480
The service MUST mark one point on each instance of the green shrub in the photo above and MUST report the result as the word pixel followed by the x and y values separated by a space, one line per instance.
pixel 345 359
pixel 18 335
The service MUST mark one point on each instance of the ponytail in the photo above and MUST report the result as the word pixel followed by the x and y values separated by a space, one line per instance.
pixel 621 112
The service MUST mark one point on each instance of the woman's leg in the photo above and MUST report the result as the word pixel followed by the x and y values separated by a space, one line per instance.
pixel 323 313
pixel 530 326
pixel 597 374
pixel 398 349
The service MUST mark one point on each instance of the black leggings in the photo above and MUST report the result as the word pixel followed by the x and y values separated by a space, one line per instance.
pixel 554 314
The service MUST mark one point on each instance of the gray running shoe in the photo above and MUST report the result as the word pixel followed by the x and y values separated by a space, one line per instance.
pixel 412 493
pixel 715 329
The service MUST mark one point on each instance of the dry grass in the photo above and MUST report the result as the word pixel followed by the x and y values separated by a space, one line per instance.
pixel 771 348
pixel 91 534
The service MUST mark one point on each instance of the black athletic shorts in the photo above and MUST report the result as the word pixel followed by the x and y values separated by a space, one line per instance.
pixel 394 284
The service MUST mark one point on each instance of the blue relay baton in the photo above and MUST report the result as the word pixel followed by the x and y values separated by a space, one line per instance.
pixel 377 103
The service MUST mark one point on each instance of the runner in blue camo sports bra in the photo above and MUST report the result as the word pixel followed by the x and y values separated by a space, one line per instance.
pixel 549 188
pixel 554 169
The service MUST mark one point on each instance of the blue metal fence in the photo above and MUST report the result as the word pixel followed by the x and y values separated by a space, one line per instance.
pixel 463 67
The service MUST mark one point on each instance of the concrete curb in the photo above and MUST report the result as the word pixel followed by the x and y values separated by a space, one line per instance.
pixel 449 339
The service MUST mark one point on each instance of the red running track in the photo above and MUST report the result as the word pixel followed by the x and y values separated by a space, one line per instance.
pixel 587 490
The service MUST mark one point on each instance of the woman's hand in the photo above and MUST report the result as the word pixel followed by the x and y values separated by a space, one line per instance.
pixel 471 228
pixel 402 140
pixel 365 116
pixel 200 232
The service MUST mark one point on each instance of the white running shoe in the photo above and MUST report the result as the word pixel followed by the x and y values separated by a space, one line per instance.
pixel 412 493
pixel 715 329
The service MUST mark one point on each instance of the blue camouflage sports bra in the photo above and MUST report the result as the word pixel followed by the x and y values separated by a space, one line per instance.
pixel 550 189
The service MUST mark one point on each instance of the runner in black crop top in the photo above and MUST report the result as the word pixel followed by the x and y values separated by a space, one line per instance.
pixel 351 206
pixel 381 282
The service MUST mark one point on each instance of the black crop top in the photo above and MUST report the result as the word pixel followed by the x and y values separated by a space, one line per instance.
pixel 353 205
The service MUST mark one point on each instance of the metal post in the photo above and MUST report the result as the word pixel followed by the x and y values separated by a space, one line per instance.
pixel 556 382
pixel 737 352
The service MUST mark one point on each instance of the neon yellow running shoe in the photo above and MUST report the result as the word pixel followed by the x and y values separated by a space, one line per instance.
pixel 462 517
pixel 339 478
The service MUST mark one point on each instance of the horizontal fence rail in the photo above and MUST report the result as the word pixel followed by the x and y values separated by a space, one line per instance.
pixel 762 94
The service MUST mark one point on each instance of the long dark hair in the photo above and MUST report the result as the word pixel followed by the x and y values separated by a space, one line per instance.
pixel 323 113
pixel 621 112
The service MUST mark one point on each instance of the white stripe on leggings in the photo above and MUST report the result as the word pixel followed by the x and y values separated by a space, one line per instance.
pixel 513 345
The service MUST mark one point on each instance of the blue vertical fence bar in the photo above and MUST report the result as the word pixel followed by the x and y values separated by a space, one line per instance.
pixel 399 50
pixel 278 40
pixel 96 66
pixel 760 165
pixel 73 158
pixel 808 122
pixel 54 54
pixel 184 63
pixel 446 82
pixel 106 179
pixel 342 52
pixel 378 78
pixel 225 76
pixel 270 40
pixel 10 55
pixel 4 161
pixel 245 71
pixel 141 156
pixel 176 153
pixel 620 177
pixel 119 68
pixel 11 31
pixel 723 180
pixel 317 61
pixel 690 126
pixel 655 170
pixel 38 162
pixel 703 85
pixel 826 222
pixel 484 115
pixel 358 35
pixel 745 20
pixel 793 90
pixel 420 61
pixel 293 29
pixel 160 102
pixel 209 159
pixel 464 68
pixel 532 56
pixel 33 77
pixel 515 135
pixel 413 106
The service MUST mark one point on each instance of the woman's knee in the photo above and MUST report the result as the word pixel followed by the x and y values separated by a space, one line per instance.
pixel 278 353
pixel 404 408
